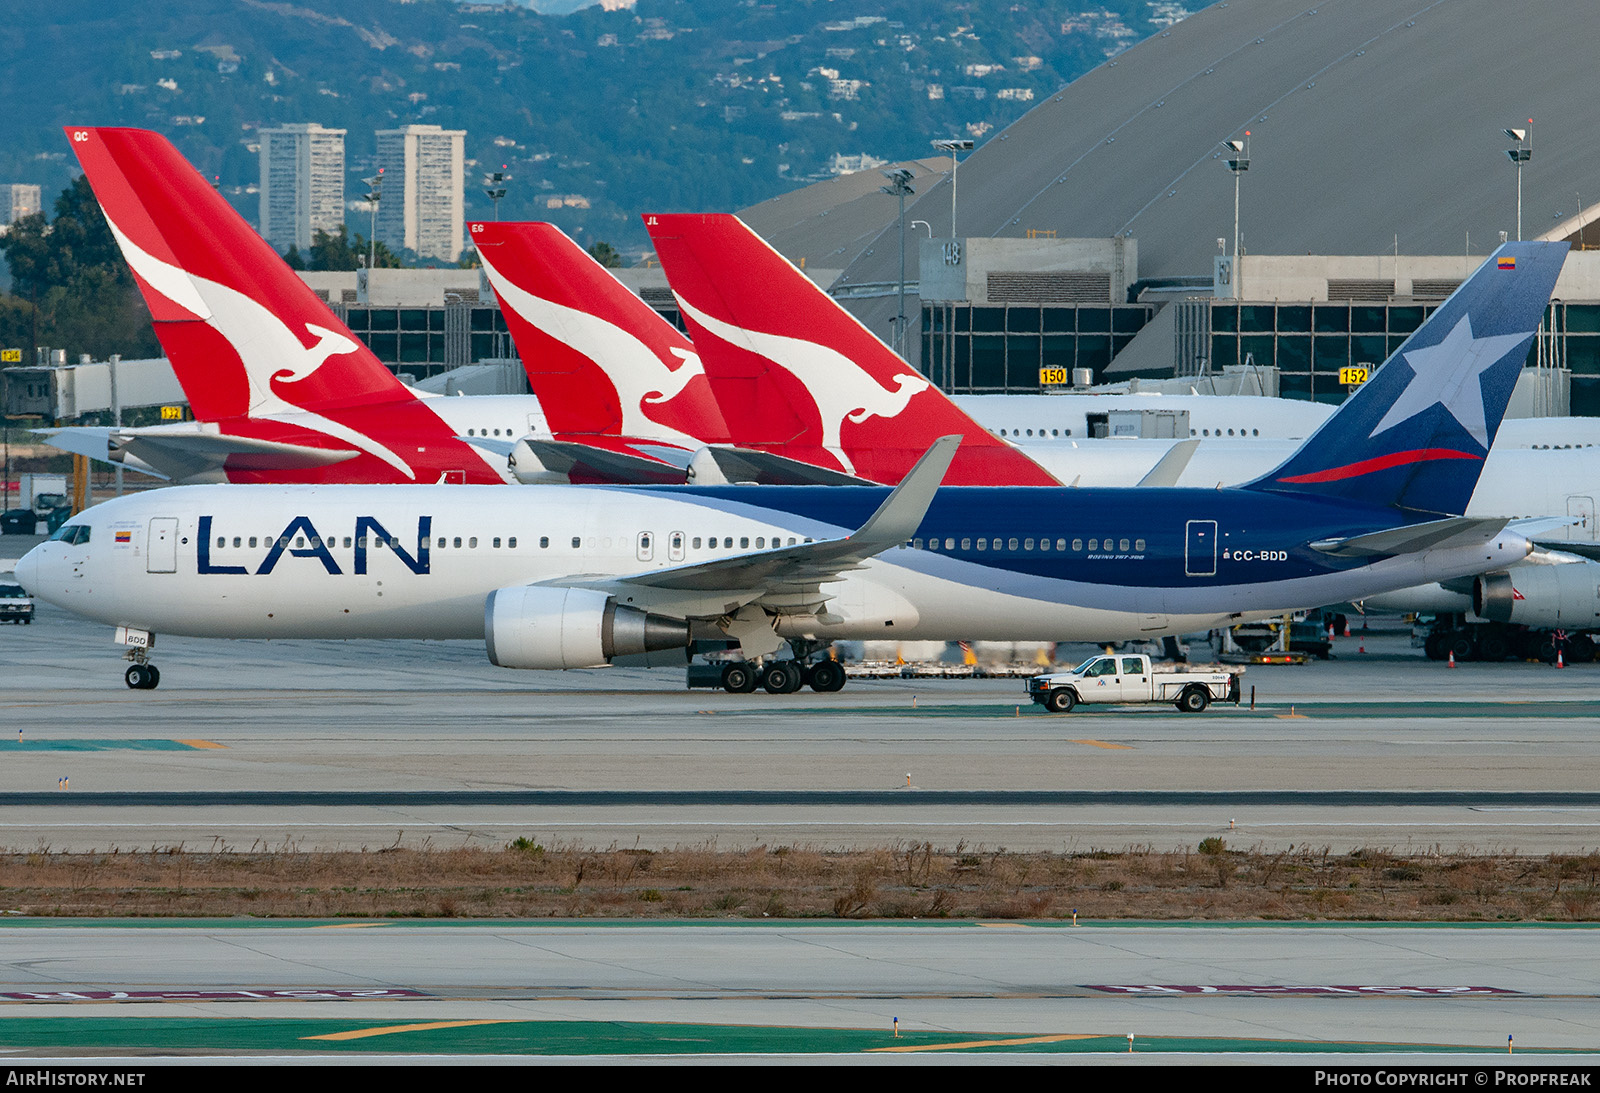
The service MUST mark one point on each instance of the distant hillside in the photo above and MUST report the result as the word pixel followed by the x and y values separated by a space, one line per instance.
pixel 599 115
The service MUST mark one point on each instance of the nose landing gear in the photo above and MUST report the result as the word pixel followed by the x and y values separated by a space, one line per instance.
pixel 141 674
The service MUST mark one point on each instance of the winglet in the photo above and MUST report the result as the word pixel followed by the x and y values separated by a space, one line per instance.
pixel 901 513
pixel 1170 467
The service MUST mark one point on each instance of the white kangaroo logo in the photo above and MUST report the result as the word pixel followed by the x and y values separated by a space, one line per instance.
pixel 840 388
pixel 638 374
pixel 267 348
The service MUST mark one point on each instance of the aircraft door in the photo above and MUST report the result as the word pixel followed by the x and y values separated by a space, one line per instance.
pixel 1200 548
pixel 675 546
pixel 1583 509
pixel 162 553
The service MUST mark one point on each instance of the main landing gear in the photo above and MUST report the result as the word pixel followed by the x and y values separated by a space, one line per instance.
pixel 782 677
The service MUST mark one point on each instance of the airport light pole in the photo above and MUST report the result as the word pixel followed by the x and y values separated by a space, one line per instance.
pixel 1238 163
pixel 925 224
pixel 1520 155
pixel 953 147
pixel 373 195
pixel 494 188
pixel 900 187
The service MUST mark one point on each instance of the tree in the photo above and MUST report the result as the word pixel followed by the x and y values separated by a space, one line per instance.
pixel 69 282
pixel 293 258
pixel 340 252
pixel 606 255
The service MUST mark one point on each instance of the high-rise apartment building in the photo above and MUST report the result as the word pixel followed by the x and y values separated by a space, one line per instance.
pixel 17 200
pixel 302 183
pixel 422 208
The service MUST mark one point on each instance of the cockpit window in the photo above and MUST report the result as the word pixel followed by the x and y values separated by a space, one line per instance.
pixel 76 534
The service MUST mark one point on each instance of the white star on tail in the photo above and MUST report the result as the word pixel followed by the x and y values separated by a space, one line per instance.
pixel 1448 374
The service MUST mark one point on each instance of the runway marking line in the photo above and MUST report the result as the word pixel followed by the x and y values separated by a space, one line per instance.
pixel 351 925
pixel 387 1030
pixel 1104 744
pixel 1004 925
pixel 203 744
pixel 990 1043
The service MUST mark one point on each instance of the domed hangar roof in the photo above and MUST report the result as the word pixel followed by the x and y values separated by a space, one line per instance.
pixel 1368 120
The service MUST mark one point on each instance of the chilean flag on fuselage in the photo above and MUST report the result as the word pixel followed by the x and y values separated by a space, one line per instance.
pixel 1416 434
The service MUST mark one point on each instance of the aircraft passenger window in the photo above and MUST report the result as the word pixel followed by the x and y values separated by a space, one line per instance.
pixel 1205 432
pixel 1027 544
pixel 441 542
pixel 576 542
pixel 744 542
pixel 1030 432
pixel 299 541
pixel 511 543
pixel 284 541
pixel 472 543
pixel 791 540
pixel 1077 544
pixel 1194 432
pixel 1122 545
pixel 727 542
pixel 222 541
pixel 761 542
pixel 997 544
pixel 949 544
pixel 983 544
pixel 252 540
pixel 1069 432
pixel 1094 544
pixel 966 544
pixel 497 432
pixel 497 538
pixel 1138 544
pixel 544 542
pixel 1230 432
pixel 235 540
pixel 1255 432
pixel 1011 544
pixel 695 542
pixel 458 542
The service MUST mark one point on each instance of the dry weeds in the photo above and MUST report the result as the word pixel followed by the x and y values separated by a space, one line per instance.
pixel 906 880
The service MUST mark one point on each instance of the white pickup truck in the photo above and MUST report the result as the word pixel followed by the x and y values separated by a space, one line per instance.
pixel 1123 679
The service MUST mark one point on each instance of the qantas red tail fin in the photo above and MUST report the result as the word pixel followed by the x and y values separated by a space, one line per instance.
pixel 599 358
pixel 245 335
pixel 797 374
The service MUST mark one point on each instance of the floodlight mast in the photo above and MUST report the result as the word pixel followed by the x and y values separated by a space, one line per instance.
pixel 1238 163
pixel 953 146
pixel 1520 155
pixel 373 195
pixel 900 187
pixel 494 187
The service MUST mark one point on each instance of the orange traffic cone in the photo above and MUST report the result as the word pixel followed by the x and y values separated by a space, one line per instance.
pixel 1452 658
pixel 1560 663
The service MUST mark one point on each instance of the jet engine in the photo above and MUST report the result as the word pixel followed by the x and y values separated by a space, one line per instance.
pixel 1542 596
pixel 546 627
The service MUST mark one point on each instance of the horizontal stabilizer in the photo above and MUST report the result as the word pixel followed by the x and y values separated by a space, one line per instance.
pixel 190 453
pixel 574 461
pixel 1454 531
pixel 714 465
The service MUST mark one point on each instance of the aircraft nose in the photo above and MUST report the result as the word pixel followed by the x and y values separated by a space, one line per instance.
pixel 27 571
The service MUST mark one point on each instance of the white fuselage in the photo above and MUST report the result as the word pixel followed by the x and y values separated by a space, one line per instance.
pixel 321 562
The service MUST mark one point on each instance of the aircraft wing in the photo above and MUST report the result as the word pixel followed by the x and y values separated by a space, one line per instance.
pixel 1453 531
pixel 789 576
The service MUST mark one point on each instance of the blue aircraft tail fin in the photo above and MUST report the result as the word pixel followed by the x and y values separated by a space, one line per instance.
pixel 1416 434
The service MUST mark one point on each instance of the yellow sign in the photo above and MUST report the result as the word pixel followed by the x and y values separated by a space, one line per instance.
pixel 10 356
pixel 1049 377
pixel 1352 377
pixel 172 413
